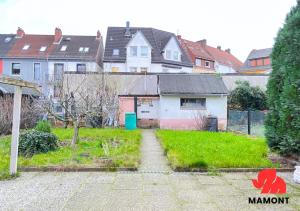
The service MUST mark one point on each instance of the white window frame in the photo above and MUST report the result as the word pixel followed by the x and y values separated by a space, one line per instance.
pixel 36 79
pixel 130 51
pixel 147 51
pixel 80 49
pixel 175 53
pixel 86 49
pixel 193 106
pixel 200 62
pixel 207 66
pixel 169 52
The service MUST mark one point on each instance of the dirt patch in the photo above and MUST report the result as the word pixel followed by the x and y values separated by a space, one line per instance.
pixel 285 162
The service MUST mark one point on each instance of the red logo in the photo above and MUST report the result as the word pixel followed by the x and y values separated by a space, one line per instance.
pixel 269 182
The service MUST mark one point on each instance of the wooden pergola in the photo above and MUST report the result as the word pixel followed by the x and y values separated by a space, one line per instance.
pixel 18 84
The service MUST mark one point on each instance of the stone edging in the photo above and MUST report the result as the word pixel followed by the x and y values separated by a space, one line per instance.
pixel 230 169
pixel 75 169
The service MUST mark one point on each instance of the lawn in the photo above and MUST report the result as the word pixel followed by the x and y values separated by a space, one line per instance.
pixel 96 148
pixel 201 149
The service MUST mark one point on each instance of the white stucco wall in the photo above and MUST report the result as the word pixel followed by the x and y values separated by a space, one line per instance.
pixel 171 114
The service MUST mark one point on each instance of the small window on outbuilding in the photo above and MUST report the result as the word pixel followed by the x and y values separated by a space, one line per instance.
pixel 81 67
pixel 193 103
pixel 15 68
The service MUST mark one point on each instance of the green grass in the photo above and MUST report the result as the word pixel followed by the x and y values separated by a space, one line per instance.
pixel 124 150
pixel 201 149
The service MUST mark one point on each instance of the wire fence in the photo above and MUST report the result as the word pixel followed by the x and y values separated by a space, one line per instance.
pixel 249 122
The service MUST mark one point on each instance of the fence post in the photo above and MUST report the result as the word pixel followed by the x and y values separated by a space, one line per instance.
pixel 249 122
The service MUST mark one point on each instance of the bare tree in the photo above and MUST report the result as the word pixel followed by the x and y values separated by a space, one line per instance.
pixel 83 97
pixel 201 121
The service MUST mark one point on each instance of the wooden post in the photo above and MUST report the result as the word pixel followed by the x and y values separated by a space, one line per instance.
pixel 249 122
pixel 15 130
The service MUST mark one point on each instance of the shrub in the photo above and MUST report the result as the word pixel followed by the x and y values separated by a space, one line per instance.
pixel 245 97
pixel 283 89
pixel 43 126
pixel 35 142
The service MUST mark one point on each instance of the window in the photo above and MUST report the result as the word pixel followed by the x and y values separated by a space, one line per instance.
pixel 144 51
pixel 133 69
pixel 168 54
pixel 176 55
pixel 26 47
pixel 80 49
pixel 267 61
pixel 86 49
pixel 56 91
pixel 115 69
pixel 81 67
pixel 43 48
pixel 58 109
pixel 259 62
pixel 116 52
pixel 133 51
pixel 37 71
pixel 253 63
pixel 7 39
pixel 193 103
pixel 15 68
pixel 207 64
pixel 144 69
pixel 198 62
pixel 63 48
pixel 58 71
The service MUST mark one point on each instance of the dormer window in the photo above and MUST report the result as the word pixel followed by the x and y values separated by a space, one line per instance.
pixel 7 39
pixel 80 49
pixel 86 49
pixel 116 52
pixel 43 48
pixel 63 48
pixel 133 50
pixel 144 51
pixel 26 47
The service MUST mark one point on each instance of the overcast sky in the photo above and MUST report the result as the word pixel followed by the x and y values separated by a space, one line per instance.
pixel 241 25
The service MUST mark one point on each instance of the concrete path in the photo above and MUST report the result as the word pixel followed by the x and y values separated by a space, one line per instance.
pixel 153 159
pixel 137 191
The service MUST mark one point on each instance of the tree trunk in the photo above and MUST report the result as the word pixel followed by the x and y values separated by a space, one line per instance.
pixel 76 133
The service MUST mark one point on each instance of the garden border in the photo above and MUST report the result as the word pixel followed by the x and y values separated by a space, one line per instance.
pixel 76 169
pixel 228 170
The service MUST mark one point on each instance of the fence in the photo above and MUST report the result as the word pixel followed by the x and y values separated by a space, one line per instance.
pixel 249 122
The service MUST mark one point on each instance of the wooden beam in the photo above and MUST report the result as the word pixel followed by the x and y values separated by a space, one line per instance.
pixel 17 82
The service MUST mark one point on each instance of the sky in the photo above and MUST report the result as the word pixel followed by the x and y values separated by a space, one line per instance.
pixel 241 25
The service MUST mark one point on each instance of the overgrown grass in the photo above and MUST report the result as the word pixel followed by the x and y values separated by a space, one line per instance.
pixel 201 149
pixel 123 150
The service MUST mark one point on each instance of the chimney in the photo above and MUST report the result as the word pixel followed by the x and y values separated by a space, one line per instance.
pixel 202 42
pixel 228 50
pixel 98 35
pixel 127 31
pixel 20 33
pixel 179 37
pixel 57 35
pixel 219 48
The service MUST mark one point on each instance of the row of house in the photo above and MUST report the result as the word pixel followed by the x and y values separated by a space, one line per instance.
pixel 165 79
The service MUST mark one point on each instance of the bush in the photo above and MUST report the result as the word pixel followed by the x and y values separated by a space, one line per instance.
pixel 245 97
pixel 35 142
pixel 43 126
pixel 283 89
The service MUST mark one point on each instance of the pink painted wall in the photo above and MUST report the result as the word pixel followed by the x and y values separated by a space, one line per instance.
pixel 186 124
pixel 126 104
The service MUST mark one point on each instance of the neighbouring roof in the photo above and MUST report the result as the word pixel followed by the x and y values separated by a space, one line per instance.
pixel 261 53
pixel 35 42
pixel 73 44
pixel 6 42
pixel 195 49
pixel 191 84
pixel 10 89
pixel 224 58
pixel 158 39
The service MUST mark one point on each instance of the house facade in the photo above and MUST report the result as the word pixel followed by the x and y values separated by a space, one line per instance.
pixel 42 59
pixel 207 59
pixel 144 50
pixel 258 62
